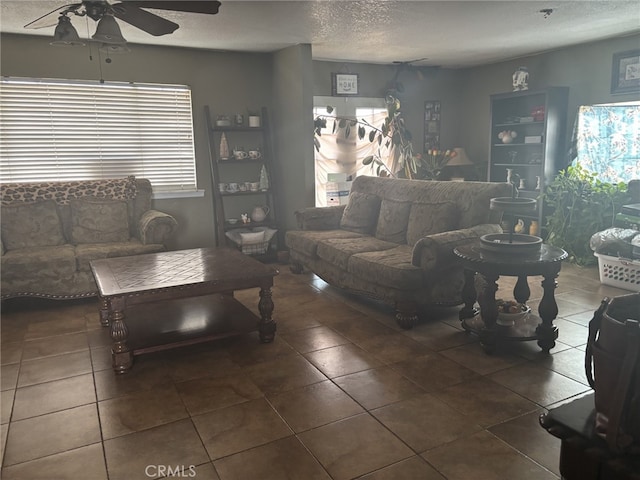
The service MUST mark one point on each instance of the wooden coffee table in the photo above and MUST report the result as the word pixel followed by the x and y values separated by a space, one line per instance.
pixel 171 299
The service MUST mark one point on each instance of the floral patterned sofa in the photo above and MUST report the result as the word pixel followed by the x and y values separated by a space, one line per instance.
pixel 394 239
pixel 51 231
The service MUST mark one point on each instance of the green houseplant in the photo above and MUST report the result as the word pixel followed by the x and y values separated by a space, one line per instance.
pixel 581 206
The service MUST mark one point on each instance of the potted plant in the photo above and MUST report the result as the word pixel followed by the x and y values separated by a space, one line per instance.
pixel 581 206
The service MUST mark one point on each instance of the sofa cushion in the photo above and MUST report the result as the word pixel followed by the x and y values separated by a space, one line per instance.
pixel 47 264
pixel 99 220
pixel 391 268
pixel 392 221
pixel 361 213
pixel 306 241
pixel 338 250
pixel 31 225
pixel 429 218
pixel 93 251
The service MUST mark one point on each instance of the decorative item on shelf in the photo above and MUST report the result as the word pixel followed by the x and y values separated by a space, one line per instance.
pixel 239 119
pixel 264 179
pixel 435 160
pixel 523 184
pixel 254 120
pixel 232 221
pixel 224 147
pixel 510 176
pixel 507 136
pixel 534 228
pixel 520 79
pixel 239 154
pixel 223 121
pixel 245 218
pixel 537 113
pixel 510 311
pixel 513 155
pixel 255 154
pixel 519 226
pixel 538 183
pixel 232 187
pixel 535 159
pixel 259 213
pixel 222 187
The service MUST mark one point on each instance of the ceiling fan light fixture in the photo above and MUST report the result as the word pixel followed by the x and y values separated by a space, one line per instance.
pixel 108 31
pixel 114 49
pixel 65 34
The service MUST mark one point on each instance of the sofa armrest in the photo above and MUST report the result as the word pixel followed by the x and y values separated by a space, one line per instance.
pixel 320 218
pixel 436 251
pixel 156 227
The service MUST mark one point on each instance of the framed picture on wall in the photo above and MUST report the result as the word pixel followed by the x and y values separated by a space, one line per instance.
pixel 344 84
pixel 431 124
pixel 625 73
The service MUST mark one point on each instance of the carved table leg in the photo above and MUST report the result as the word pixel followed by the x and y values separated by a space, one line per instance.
pixel 266 325
pixel 121 354
pixel 489 312
pixel 548 309
pixel 104 312
pixel 406 314
pixel 521 291
pixel 469 296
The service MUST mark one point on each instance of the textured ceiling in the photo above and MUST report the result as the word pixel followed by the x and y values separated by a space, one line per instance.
pixel 448 33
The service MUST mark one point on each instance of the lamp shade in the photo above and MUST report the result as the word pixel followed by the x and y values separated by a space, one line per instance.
pixel 460 159
pixel 108 31
pixel 65 34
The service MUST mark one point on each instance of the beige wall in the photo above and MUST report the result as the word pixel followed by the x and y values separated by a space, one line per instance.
pixel 286 82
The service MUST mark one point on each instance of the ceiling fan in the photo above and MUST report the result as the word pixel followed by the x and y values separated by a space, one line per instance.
pixel 396 85
pixel 129 11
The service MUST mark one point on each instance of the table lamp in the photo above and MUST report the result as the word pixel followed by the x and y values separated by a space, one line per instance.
pixel 460 159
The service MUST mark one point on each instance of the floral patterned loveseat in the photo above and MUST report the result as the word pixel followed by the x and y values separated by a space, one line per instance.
pixel 51 231
pixel 394 239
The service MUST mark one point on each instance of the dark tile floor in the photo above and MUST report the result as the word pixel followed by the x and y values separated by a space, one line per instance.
pixel 341 393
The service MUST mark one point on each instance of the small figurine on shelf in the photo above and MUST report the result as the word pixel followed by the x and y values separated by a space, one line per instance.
pixel 245 218
pixel 264 179
pixel 507 136
pixel 224 147
pixel 520 79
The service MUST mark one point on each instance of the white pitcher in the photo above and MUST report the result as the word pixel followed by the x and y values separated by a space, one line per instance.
pixel 259 213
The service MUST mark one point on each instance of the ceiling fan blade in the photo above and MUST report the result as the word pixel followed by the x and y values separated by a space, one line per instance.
pixel 50 19
pixel 146 21
pixel 210 7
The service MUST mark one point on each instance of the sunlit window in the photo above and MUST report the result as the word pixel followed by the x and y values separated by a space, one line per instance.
pixel 54 130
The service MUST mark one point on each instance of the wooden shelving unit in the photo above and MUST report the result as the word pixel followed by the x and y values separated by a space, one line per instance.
pixel 228 205
pixel 538 158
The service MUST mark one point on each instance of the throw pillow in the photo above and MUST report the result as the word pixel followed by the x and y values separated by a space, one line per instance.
pixel 429 218
pixel 99 220
pixel 31 225
pixel 392 222
pixel 251 238
pixel 361 213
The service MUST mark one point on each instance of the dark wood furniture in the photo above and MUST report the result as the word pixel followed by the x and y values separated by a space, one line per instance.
pixel 230 205
pixel 583 454
pixel 538 152
pixel 169 299
pixel 491 266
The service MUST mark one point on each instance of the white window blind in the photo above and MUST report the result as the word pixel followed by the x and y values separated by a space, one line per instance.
pixel 66 130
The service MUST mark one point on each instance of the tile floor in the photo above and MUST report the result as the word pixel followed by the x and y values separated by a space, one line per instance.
pixel 342 393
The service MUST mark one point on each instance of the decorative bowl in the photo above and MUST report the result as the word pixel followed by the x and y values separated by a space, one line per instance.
pixel 514 205
pixel 232 221
pixel 510 317
pixel 518 243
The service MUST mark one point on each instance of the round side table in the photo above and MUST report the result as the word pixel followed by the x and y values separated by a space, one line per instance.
pixel 490 266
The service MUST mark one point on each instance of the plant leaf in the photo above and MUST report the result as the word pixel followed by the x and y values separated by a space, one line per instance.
pixel 367 160
pixel 329 109
pixel 342 123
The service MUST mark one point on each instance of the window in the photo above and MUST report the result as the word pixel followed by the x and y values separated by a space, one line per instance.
pixel 338 154
pixel 54 130
pixel 607 141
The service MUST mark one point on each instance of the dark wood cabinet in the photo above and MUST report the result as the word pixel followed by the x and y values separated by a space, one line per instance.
pixel 227 170
pixel 528 140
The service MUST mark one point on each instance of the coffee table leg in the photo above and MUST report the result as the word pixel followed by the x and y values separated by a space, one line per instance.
pixel 521 291
pixel 548 309
pixel 489 312
pixel 121 355
pixel 104 312
pixel 266 326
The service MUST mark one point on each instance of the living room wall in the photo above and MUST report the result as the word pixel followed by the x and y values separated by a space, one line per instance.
pixel 228 82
